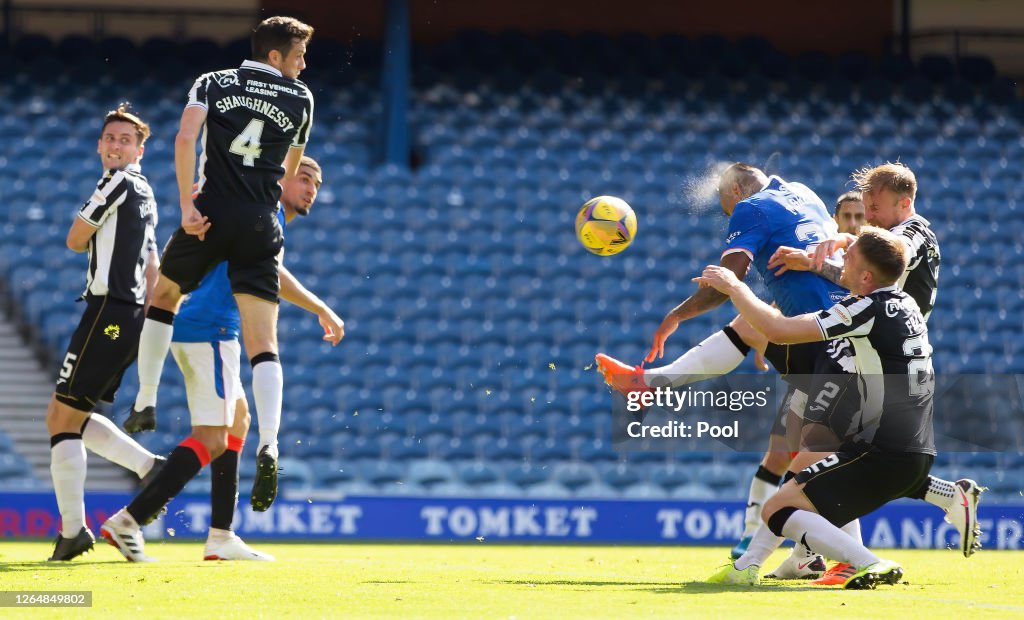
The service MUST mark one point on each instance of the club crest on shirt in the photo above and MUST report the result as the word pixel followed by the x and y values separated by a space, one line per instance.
pixel 112 331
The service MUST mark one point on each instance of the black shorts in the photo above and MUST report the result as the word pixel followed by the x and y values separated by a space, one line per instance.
pixel 104 344
pixel 247 236
pixel 860 478
pixel 795 362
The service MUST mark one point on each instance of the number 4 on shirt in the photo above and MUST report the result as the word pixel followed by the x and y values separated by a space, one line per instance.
pixel 247 143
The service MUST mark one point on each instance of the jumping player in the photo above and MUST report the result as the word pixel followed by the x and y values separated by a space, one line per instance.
pixel 255 121
pixel 205 338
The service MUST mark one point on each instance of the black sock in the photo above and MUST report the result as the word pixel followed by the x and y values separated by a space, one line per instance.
pixel 224 489
pixel 767 476
pixel 183 463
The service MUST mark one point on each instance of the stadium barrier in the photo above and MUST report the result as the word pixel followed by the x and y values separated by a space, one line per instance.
pixel 905 524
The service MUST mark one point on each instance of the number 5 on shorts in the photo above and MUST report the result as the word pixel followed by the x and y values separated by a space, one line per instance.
pixel 69 366
pixel 247 143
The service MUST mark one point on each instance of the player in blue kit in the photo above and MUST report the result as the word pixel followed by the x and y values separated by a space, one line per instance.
pixel 764 214
pixel 205 346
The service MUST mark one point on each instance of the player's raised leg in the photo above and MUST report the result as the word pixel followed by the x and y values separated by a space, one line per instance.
pixel 102 437
pixel 259 331
pixel 959 500
pixel 717 355
pixel 154 343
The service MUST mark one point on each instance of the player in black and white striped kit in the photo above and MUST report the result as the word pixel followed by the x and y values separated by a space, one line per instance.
pixel 117 227
pixel 888 192
pixel 253 123
pixel 890 450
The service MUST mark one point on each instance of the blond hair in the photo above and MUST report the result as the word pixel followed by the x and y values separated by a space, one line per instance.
pixel 893 176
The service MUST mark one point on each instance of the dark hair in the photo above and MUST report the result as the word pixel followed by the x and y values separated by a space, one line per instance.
pixel 311 163
pixel 884 251
pixel 124 114
pixel 278 33
pixel 848 197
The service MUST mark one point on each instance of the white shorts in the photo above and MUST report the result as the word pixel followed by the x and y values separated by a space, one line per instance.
pixel 212 382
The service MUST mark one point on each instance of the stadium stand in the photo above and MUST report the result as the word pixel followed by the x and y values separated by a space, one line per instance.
pixel 472 314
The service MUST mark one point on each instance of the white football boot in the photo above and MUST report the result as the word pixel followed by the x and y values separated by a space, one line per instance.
pixel 231 547
pixel 122 532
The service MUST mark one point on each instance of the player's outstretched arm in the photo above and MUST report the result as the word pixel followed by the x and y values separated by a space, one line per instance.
pixel 700 302
pixel 294 292
pixel 762 317
pixel 192 119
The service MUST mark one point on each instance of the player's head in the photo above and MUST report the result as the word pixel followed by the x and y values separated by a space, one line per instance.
pixel 298 193
pixel 739 182
pixel 878 258
pixel 888 193
pixel 281 43
pixel 122 138
pixel 849 212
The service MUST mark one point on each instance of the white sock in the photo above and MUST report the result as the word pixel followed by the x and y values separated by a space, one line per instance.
pixel 67 468
pixel 218 535
pixel 761 546
pixel 760 492
pixel 852 529
pixel 822 537
pixel 154 343
pixel 104 438
pixel 267 384
pixel 715 356
pixel 940 492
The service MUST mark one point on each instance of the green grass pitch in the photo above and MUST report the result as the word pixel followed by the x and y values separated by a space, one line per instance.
pixel 484 580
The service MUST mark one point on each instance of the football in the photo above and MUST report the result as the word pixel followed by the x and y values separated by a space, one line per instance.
pixel 606 225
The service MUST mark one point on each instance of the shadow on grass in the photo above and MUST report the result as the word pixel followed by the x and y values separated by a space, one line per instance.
pixel 660 587
pixel 14 567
